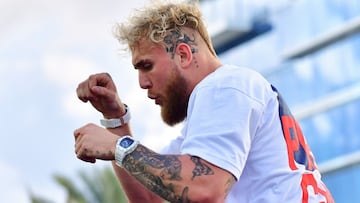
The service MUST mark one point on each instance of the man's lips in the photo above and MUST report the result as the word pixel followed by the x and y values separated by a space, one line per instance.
pixel 156 98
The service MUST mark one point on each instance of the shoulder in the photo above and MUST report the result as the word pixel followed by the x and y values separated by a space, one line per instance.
pixel 243 80
pixel 229 75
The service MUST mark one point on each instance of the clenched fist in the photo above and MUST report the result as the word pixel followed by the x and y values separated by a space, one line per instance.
pixel 93 142
pixel 101 91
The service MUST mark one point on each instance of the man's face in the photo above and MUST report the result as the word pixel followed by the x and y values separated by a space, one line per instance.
pixel 159 73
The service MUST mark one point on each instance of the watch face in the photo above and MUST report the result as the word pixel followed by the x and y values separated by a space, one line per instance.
pixel 126 142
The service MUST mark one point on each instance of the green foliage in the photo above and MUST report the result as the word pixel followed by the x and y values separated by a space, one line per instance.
pixel 37 199
pixel 98 186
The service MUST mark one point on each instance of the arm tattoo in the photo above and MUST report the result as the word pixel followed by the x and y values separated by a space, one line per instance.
pixel 152 170
pixel 200 168
pixel 175 38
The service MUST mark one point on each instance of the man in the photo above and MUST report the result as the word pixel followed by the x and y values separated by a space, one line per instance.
pixel 239 141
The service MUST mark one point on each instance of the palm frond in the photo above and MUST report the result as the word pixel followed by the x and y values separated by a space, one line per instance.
pixel 74 194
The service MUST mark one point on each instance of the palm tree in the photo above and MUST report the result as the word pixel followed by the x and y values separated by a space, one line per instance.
pixel 37 199
pixel 99 186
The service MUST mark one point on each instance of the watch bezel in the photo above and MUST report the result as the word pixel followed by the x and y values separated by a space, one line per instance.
pixel 121 151
pixel 126 140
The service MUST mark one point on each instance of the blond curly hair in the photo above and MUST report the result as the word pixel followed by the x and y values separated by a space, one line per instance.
pixel 158 19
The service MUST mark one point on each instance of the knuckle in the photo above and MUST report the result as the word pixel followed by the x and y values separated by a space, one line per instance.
pixel 89 125
pixel 107 74
pixel 92 76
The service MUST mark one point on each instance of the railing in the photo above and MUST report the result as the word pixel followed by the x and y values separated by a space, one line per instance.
pixel 346 29
pixel 334 99
pixel 340 163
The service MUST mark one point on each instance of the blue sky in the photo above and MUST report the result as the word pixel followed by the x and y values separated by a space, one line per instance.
pixel 46 49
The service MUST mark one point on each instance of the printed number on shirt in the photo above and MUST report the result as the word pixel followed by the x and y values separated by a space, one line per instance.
pixel 300 156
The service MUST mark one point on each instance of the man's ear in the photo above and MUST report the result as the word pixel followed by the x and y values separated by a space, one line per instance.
pixel 185 53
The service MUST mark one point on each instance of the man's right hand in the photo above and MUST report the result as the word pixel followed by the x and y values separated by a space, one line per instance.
pixel 101 91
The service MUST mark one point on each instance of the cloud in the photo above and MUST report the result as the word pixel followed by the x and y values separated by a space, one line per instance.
pixel 65 70
pixel 11 187
pixel 76 109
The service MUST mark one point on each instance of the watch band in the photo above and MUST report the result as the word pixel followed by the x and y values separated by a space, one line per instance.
pixel 124 146
pixel 117 122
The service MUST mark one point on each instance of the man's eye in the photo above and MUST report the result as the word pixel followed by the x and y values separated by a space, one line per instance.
pixel 147 67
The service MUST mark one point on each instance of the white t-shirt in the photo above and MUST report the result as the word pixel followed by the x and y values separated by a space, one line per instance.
pixel 233 122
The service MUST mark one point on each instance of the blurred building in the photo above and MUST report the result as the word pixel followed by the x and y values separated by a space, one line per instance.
pixel 310 50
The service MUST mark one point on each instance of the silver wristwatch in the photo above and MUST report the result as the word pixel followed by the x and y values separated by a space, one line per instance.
pixel 124 146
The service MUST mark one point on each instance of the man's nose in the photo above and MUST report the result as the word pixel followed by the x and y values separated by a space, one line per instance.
pixel 144 81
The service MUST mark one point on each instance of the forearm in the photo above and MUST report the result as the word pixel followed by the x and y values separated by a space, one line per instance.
pixel 133 189
pixel 150 176
pixel 178 178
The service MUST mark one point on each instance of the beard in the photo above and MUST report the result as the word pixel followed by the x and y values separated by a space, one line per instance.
pixel 174 108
